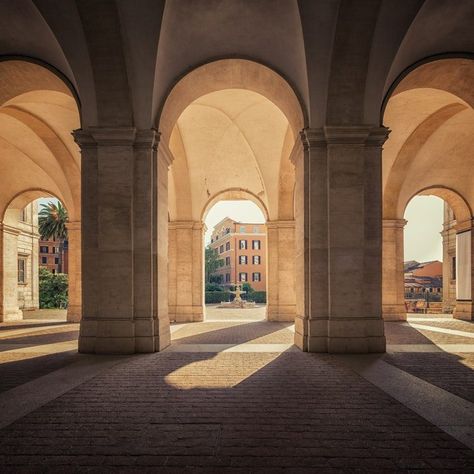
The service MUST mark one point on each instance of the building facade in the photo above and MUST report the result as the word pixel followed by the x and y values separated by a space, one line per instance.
pixel 19 235
pixel 53 255
pixel 243 249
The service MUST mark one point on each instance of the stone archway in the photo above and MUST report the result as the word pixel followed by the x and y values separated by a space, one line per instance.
pixel 393 271
pixel 38 110
pixel 249 120
pixel 429 152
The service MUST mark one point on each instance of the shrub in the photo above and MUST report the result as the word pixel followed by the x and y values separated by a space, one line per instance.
pixel 213 287
pixel 52 289
pixel 216 296
pixel 256 296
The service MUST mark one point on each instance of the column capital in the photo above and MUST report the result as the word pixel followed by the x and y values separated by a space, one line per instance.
pixel 186 225
pixel 92 137
pixel 394 223
pixel 313 138
pixel 288 224
pixel 147 139
pixel 464 226
pixel 8 229
pixel 363 135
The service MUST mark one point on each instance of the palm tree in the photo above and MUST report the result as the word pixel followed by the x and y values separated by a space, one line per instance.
pixel 52 220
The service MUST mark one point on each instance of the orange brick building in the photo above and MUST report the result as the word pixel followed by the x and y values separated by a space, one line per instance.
pixel 243 248
pixel 50 258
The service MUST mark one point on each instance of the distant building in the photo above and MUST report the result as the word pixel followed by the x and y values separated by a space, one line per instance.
pixel 423 277
pixel 53 255
pixel 243 248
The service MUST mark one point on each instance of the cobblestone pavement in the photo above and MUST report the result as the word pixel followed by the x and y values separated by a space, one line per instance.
pixel 232 412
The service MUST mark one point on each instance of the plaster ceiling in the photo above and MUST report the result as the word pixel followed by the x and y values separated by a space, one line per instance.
pixel 232 138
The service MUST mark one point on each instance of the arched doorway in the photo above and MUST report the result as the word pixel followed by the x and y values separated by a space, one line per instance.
pixel 231 127
pixel 38 110
pixel 429 152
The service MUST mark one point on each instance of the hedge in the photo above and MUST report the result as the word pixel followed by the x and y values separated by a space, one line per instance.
pixel 217 296
pixel 257 296
pixel 213 297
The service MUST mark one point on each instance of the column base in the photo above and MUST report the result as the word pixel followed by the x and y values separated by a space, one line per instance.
pixel 74 313
pixel 123 337
pixel 464 310
pixel 394 312
pixel 186 314
pixel 12 315
pixel 282 313
pixel 342 336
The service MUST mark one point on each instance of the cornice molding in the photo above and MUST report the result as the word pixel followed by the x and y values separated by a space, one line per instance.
pixel 394 223
pixel 73 225
pixel 313 138
pixel 283 224
pixel 8 229
pixel 361 135
pixel 105 136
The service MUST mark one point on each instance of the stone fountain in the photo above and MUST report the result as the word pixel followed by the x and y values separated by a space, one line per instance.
pixel 238 302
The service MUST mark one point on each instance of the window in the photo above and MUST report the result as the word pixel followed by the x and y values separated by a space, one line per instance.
pixel 243 259
pixel 242 244
pixel 256 244
pixel 242 229
pixel 453 268
pixel 255 229
pixel 56 261
pixel 227 261
pixel 53 271
pixel 221 249
pixel 227 277
pixel 256 276
pixel 44 260
pixel 24 215
pixel 256 259
pixel 53 250
pixel 22 270
pixel 242 277
pixel 227 246
pixel 43 249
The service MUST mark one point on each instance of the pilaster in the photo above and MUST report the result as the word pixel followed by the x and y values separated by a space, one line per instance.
pixel 9 310
pixel 393 284
pixel 74 309
pixel 186 291
pixel 281 299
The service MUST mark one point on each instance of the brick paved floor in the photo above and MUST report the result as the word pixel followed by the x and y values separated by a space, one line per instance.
pixel 231 412
pixel 26 347
pixel 228 413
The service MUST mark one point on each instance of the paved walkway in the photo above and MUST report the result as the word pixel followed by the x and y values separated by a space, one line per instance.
pixel 232 396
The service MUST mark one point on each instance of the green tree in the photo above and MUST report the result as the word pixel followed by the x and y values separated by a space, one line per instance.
pixel 212 262
pixel 52 289
pixel 52 220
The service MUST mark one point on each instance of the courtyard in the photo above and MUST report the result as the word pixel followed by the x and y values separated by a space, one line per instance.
pixel 233 394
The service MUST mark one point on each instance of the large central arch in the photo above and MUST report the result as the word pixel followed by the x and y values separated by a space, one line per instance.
pixel 230 127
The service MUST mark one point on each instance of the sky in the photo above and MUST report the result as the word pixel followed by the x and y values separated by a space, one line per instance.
pixel 241 211
pixel 422 233
pixel 422 237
